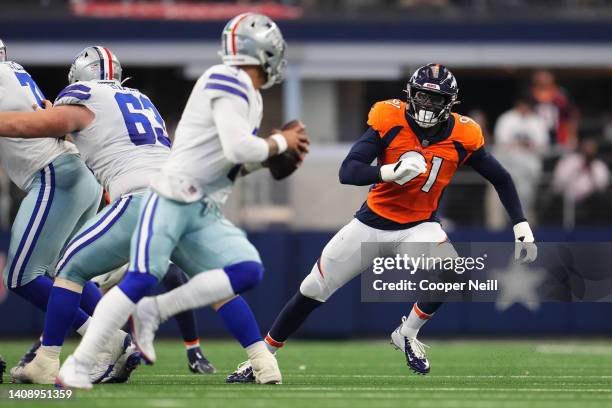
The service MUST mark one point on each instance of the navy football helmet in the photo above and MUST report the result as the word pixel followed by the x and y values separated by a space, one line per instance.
pixel 432 92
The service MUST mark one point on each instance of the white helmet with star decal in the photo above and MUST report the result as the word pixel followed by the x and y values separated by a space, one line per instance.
pixel 95 63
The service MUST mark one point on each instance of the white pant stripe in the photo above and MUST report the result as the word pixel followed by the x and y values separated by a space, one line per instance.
pixel 35 225
pixel 74 246
pixel 143 239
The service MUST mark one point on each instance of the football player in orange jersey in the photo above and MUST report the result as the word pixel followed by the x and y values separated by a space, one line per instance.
pixel 419 144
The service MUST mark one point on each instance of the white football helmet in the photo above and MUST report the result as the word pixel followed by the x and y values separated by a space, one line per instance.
pixel 95 63
pixel 2 51
pixel 254 39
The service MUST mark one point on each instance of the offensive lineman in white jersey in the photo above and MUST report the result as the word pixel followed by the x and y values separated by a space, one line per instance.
pixel 181 219
pixel 123 139
pixel 62 195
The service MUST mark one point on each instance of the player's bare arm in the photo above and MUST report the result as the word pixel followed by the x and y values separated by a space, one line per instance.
pixel 54 122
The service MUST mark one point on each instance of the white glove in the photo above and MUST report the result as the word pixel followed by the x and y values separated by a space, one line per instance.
pixel 405 169
pixel 524 241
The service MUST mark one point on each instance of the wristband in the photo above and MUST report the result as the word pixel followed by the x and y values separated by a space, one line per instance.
pixel 281 142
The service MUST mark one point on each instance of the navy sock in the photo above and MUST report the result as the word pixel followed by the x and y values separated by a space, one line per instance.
pixel 429 307
pixel 90 297
pixel 240 321
pixel 292 316
pixel 186 320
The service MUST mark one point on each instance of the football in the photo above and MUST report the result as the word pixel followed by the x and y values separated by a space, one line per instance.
pixel 283 165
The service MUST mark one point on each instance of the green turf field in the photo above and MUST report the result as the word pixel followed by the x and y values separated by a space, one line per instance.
pixel 366 374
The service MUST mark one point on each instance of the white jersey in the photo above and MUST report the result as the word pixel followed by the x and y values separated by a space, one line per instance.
pixel 126 144
pixel 22 158
pixel 198 166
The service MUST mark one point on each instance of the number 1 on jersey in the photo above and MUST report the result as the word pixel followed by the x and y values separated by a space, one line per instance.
pixel 436 163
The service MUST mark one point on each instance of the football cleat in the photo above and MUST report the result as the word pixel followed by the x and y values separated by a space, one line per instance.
pixel 125 365
pixel 73 374
pixel 2 369
pixel 30 354
pixel 265 369
pixel 109 356
pixel 198 363
pixel 144 323
pixel 41 370
pixel 243 374
pixel 413 349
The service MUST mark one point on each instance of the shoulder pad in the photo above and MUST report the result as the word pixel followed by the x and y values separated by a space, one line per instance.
pixel 468 132
pixel 75 94
pixel 222 80
pixel 386 115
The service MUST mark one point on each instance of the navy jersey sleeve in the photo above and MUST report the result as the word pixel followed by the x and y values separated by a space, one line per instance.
pixel 488 167
pixel 357 169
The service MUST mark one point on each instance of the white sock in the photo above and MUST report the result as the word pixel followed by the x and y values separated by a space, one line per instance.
pixel 271 348
pixel 256 349
pixel 81 330
pixel 416 319
pixel 190 345
pixel 272 344
pixel 202 290
pixel 110 315
pixel 50 351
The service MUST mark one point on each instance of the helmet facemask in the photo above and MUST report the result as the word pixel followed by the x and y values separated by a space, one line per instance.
pixel 274 66
pixel 428 107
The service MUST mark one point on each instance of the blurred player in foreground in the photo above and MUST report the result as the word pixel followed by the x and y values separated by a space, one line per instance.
pixel 419 145
pixel 61 195
pixel 197 362
pixel 181 217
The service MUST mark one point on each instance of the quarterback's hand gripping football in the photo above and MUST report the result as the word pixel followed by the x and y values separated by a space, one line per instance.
pixel 406 168
pixel 524 243
pixel 296 137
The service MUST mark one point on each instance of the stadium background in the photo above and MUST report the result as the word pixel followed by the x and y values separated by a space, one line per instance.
pixel 345 55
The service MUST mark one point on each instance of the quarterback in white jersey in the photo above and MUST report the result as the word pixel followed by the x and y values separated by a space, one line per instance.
pixel 210 144
pixel 181 219
pixel 123 140
pixel 61 194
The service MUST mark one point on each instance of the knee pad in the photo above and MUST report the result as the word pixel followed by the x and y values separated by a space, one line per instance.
pixel 315 287
pixel 244 275
pixel 137 285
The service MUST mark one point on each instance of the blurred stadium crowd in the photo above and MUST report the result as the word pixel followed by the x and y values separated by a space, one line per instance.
pixel 386 8
pixel 551 128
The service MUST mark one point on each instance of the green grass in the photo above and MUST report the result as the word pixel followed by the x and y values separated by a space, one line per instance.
pixel 369 374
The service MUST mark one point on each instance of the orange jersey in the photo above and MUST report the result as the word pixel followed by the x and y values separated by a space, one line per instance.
pixel 405 201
